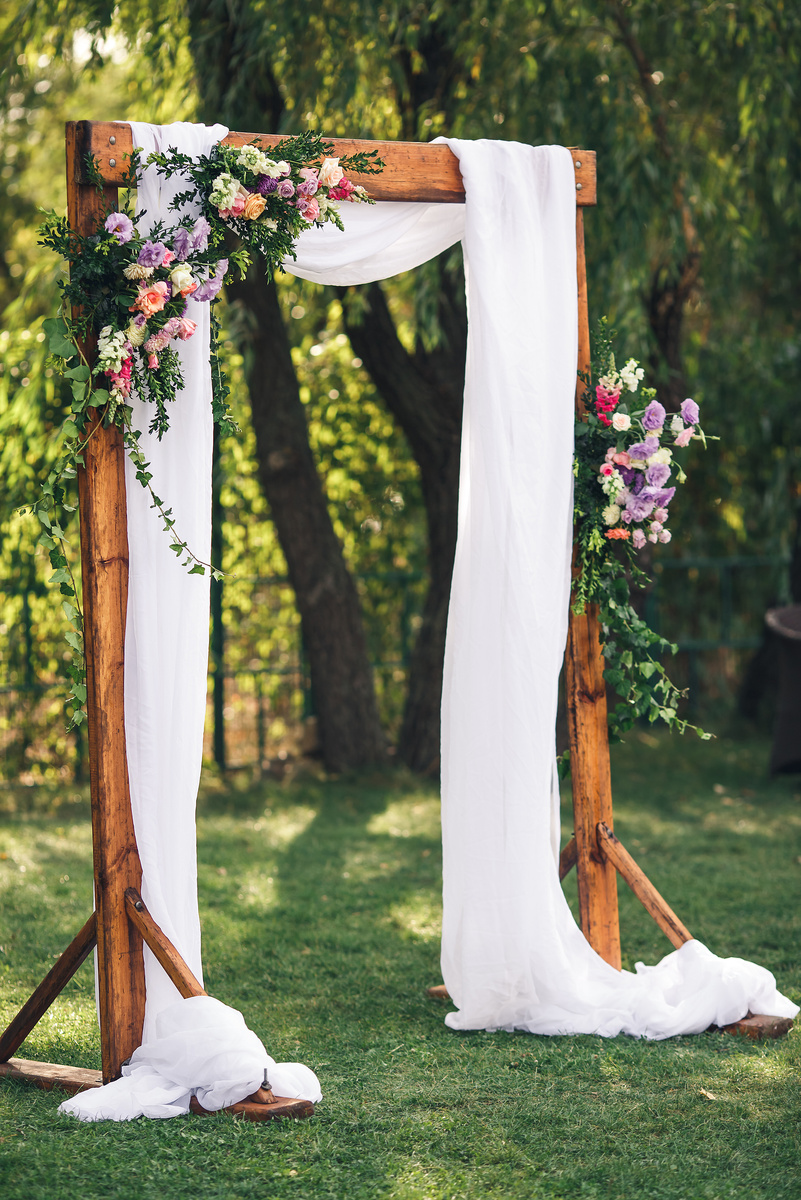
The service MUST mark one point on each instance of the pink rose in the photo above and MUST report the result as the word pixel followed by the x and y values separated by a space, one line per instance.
pixel 150 299
pixel 167 259
pixel 185 328
pixel 661 515
pixel 152 361
pixel 607 470
pixel 665 535
pixel 310 209
pixel 621 458
pixel 638 539
pixel 685 436
pixel 309 175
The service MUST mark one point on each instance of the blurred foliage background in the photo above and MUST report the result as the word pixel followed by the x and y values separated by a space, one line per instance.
pixel 693 253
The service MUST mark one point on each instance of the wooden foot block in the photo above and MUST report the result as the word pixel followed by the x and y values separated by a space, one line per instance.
pixel 439 992
pixel 250 1110
pixel 78 1079
pixel 51 1075
pixel 760 1026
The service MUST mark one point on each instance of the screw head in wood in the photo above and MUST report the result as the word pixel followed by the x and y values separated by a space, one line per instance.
pixel 578 164
pixel 112 162
pixel 578 187
pixel 112 141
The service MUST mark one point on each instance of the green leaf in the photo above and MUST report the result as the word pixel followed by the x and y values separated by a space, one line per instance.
pixel 60 576
pixel 59 341
pixel 74 639
pixel 81 373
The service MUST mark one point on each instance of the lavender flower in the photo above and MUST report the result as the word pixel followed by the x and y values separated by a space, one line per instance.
pixel 660 496
pixel 689 412
pixel 122 227
pixel 182 244
pixel 265 185
pixel 657 475
pixel 654 416
pixel 640 507
pixel 644 449
pixel 152 254
pixel 286 189
pixel 200 234
pixel 209 289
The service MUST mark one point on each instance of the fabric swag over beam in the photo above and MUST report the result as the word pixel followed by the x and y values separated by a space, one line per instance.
pixel 512 955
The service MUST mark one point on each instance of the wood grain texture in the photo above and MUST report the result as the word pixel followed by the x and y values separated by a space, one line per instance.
pixel 51 1075
pixel 568 858
pixel 617 855
pixel 104 568
pixel 51 986
pixel 79 1079
pixel 162 947
pixel 590 770
pixel 419 171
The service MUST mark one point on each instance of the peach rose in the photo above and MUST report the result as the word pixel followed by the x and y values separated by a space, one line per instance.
pixel 254 206
pixel 330 172
pixel 150 299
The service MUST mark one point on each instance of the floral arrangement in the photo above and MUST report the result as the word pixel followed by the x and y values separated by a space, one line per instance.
pixel 626 478
pixel 134 296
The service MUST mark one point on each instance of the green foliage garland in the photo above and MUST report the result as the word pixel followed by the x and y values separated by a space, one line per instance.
pixel 622 466
pixel 251 204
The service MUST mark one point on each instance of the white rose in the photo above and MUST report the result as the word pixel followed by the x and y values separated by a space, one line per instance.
pixel 330 172
pixel 181 278
pixel 621 422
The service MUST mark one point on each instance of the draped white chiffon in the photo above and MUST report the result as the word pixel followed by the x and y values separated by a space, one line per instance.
pixel 512 956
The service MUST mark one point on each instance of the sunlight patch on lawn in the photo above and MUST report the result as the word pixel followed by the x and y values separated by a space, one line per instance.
pixel 415 816
pixel 419 917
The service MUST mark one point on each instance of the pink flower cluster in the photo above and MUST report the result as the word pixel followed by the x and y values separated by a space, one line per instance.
pixel 120 381
pixel 606 401
pixel 176 327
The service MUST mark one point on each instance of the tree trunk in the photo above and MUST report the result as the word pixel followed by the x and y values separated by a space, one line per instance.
pixel 222 39
pixel 424 392
pixel 342 680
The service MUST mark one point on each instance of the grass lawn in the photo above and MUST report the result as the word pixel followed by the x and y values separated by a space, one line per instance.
pixel 320 904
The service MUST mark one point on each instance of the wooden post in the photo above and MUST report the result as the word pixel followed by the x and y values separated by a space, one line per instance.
pixel 104 566
pixel 587 723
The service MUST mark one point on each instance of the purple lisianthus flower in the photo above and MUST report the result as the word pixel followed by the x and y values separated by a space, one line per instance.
pixel 265 184
pixel 182 244
pixel 689 412
pixel 200 234
pixel 660 496
pixel 657 475
pixel 120 225
pixel 639 483
pixel 209 289
pixel 286 189
pixel 139 320
pixel 654 416
pixel 629 475
pixel 152 254
pixel 640 507
pixel 644 449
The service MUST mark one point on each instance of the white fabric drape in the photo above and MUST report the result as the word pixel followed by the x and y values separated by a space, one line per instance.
pixel 166 662
pixel 512 955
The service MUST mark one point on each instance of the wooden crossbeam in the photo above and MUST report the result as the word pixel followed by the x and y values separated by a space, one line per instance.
pixel 417 171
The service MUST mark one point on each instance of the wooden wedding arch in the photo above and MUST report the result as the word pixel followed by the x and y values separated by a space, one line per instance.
pixel 121 924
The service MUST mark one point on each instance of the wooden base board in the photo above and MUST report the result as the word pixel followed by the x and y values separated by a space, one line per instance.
pixel 78 1079
pixel 439 992
pixel 760 1026
pixel 752 1026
